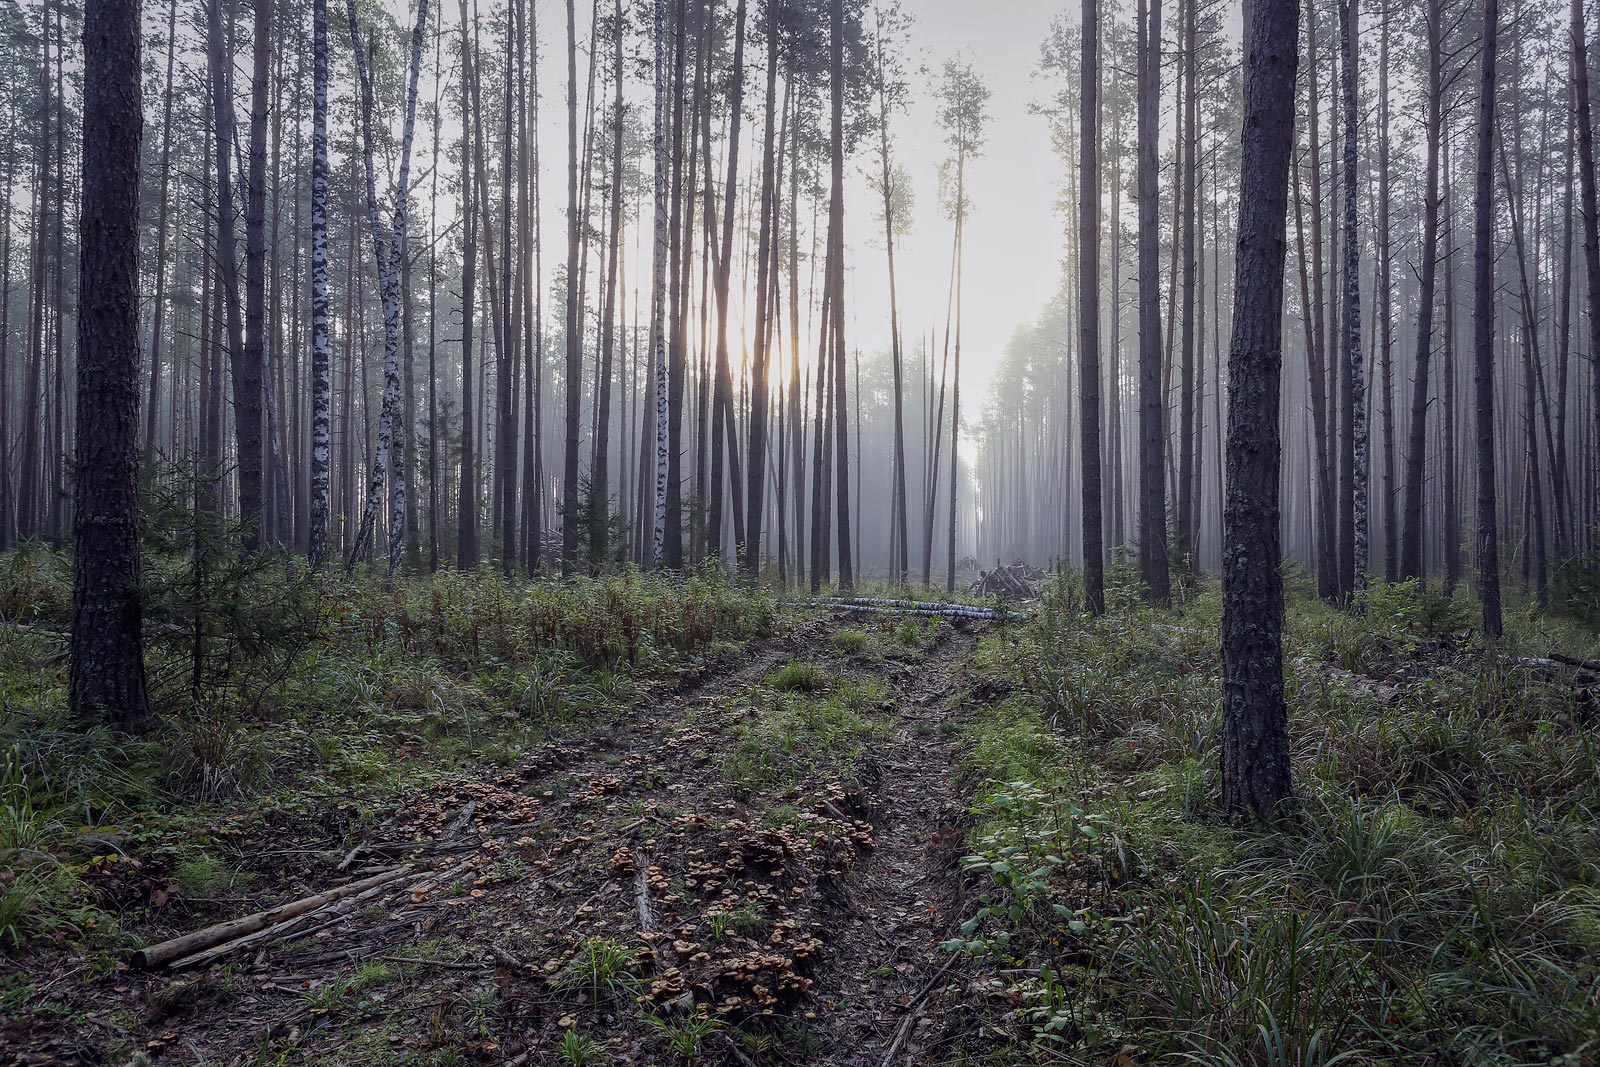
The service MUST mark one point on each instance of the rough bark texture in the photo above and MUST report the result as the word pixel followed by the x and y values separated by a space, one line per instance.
pixel 1089 310
pixel 321 376
pixel 658 289
pixel 246 372
pixel 1487 532
pixel 574 341
pixel 1353 428
pixel 1411 563
pixel 1590 210
pixel 107 678
pixel 1255 734
pixel 1152 407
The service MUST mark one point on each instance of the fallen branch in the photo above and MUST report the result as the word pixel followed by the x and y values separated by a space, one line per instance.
pixel 299 926
pixel 641 894
pixel 908 607
pixel 178 948
pixel 506 959
pixel 911 1010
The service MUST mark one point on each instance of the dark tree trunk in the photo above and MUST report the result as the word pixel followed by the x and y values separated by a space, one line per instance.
pixel 722 382
pixel 1316 344
pixel 107 678
pixel 1384 309
pixel 255 260
pixel 320 372
pixel 1411 561
pixel 1590 211
pixel 158 303
pixel 573 386
pixel 1186 521
pixel 1089 310
pixel 599 468
pixel 1152 430
pixel 755 497
pixel 1255 731
pixel 467 508
pixel 836 232
pixel 246 373
pixel 1487 532
pixel 1352 372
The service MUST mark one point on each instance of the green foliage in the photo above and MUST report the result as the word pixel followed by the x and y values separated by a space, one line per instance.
pixel 601 969
pixel 851 641
pixel 272 682
pixel 685 1038
pixel 799 732
pixel 1438 900
pixel 580 1050
pixel 798 676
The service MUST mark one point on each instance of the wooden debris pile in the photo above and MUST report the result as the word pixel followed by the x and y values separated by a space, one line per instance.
pixel 1019 581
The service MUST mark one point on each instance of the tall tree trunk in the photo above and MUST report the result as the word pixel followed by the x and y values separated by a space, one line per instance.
pixel 1384 308
pixel 658 289
pixel 599 467
pixel 1487 532
pixel 508 350
pixel 1255 730
pixel 1411 560
pixel 30 488
pixel 255 246
pixel 158 302
pixel 1353 394
pixel 433 284
pixel 1589 210
pixel 106 675
pixel 321 381
pixel 246 372
pixel 1317 356
pixel 573 386
pixel 1152 432
pixel 766 255
pixel 1450 512
pixel 388 255
pixel 1191 179
pixel 722 391
pixel 1089 310
pixel 898 536
pixel 467 508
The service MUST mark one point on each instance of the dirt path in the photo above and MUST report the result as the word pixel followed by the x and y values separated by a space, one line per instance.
pixel 880 984
pixel 759 874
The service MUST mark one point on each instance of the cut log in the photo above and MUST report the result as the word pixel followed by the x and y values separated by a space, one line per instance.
pixel 641 894
pixel 166 952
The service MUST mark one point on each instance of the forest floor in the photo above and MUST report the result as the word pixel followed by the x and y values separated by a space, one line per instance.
pixel 753 862
pixel 647 822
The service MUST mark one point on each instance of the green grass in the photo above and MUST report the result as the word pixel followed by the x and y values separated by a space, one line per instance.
pixel 601 969
pixel 307 687
pixel 801 733
pixel 851 641
pixel 798 676
pixel 1438 898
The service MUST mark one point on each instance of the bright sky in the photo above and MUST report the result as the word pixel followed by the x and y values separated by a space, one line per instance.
pixel 1014 240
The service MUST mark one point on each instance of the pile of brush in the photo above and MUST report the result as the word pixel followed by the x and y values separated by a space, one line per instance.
pixel 1019 581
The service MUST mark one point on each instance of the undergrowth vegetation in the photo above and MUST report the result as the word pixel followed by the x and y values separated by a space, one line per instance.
pixel 1436 900
pixel 277 691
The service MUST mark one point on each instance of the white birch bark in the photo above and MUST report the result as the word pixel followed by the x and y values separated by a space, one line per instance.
pixel 321 390
pixel 659 292
pixel 387 257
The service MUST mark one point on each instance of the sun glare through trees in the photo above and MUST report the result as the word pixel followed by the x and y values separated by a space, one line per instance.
pixel 462 601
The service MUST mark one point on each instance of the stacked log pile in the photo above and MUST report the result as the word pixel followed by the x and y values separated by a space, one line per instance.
pixel 1019 581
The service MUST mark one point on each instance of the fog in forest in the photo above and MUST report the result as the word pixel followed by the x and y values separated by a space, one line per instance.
pixel 775 532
